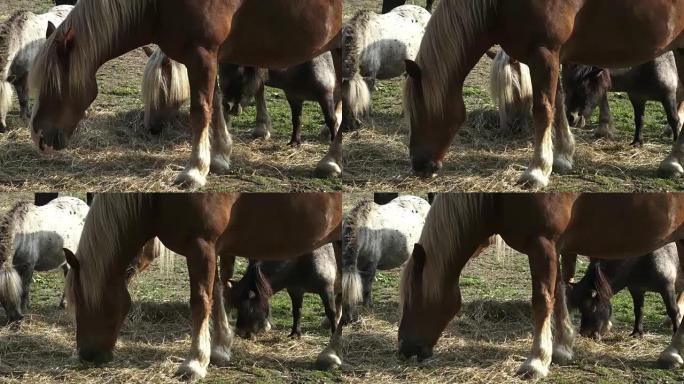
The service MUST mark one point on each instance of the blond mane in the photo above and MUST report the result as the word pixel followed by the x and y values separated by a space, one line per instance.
pixel 453 223
pixel 444 51
pixel 160 89
pixel 99 25
pixel 112 219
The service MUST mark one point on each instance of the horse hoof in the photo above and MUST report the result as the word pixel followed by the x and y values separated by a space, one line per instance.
pixel 637 334
pixel 533 179
pixel 670 168
pixel 670 359
pixel 328 360
pixel 191 179
pixel 562 165
pixel 295 335
pixel 261 131
pixel 327 169
pixel 637 144
pixel 220 355
pixel 295 143
pixel 220 164
pixel 604 131
pixel 324 134
pixel 532 370
pixel 562 355
pixel 191 371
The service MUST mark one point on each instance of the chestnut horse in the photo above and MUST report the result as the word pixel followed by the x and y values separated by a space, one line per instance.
pixel 203 228
pixel 605 226
pixel 541 34
pixel 196 33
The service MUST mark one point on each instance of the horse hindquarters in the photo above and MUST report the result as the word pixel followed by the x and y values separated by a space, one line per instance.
pixel 11 292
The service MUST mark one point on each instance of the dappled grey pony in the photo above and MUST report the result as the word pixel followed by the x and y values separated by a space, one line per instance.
pixel 376 47
pixel 378 237
pixel 33 239
pixel 587 87
pixel 21 36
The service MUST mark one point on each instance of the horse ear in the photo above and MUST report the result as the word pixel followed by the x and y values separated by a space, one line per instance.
pixel 594 293
pixel 413 69
pixel 166 61
pixel 252 294
pixel 50 29
pixel 66 42
pixel 596 72
pixel 491 53
pixel 148 51
pixel 71 259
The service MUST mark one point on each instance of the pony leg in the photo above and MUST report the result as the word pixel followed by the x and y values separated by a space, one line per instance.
pixel 639 107
pixel 544 67
pixel 202 76
pixel 297 298
pixel 63 302
pixel 296 109
pixel 331 165
pixel 638 303
pixel 564 145
pixel 262 130
pixel 670 106
pixel 21 87
pixel 544 268
pixel 568 267
pixel 564 332
pixel 221 142
pixel 5 103
pixel 202 271
pixel 222 337
pixel 605 127
pixel 327 295
pixel 331 357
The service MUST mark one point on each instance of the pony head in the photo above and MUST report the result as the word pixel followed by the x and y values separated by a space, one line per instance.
pixel 239 84
pixel 97 324
pixel 423 317
pixel 431 132
pixel 591 296
pixel 584 88
pixel 63 88
pixel 250 297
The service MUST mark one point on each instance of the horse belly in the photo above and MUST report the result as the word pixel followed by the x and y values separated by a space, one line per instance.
pixel 617 226
pixel 619 33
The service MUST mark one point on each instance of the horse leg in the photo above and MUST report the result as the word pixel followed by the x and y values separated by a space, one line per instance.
pixel 638 302
pixel 26 274
pixel 330 357
pixel 671 357
pixel 544 268
pixel 564 145
pixel 202 270
pixel 568 267
pixel 202 77
pixel 221 142
pixel 262 130
pixel 564 337
pixel 296 109
pixel 331 165
pixel 222 336
pixel 670 301
pixel 368 279
pixel 62 302
pixel 544 66
pixel 605 127
pixel 639 107
pixel 327 295
pixel 297 298
pixel 21 87
pixel 670 106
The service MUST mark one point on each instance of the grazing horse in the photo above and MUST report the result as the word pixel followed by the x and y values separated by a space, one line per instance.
pixel 658 271
pixel 314 272
pixel 541 226
pixel 21 36
pixel 196 33
pixel 32 239
pixel 657 80
pixel 510 86
pixel 541 34
pixel 375 47
pixel 378 237
pixel 388 5
pixel 203 228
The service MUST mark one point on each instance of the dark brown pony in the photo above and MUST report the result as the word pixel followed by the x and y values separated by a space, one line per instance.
pixel 197 33
pixel 605 226
pixel 541 34
pixel 203 228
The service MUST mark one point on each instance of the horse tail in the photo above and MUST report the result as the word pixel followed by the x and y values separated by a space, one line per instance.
pixel 5 99
pixel 511 90
pixel 355 92
pixel 10 282
pixel 352 288
pixel 165 83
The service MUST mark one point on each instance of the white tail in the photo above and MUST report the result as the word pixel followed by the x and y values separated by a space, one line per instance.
pixel 351 285
pixel 5 100
pixel 358 97
pixel 510 89
pixel 10 287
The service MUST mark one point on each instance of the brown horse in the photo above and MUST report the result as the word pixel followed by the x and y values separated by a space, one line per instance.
pixel 201 227
pixel 541 34
pixel 605 226
pixel 197 33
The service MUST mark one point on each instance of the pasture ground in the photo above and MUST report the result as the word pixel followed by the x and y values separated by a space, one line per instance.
pixel 485 343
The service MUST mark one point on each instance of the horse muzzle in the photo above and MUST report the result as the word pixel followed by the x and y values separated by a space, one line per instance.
pixel 96 356
pixel 50 142
pixel 408 349
pixel 425 168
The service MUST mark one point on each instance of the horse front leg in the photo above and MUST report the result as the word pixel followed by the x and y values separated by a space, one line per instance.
pixel 544 268
pixel 564 144
pixel 545 66
pixel 331 165
pixel 331 356
pixel 221 142
pixel 222 337
pixel 202 76
pixel 202 270
pixel 564 336
pixel 606 127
